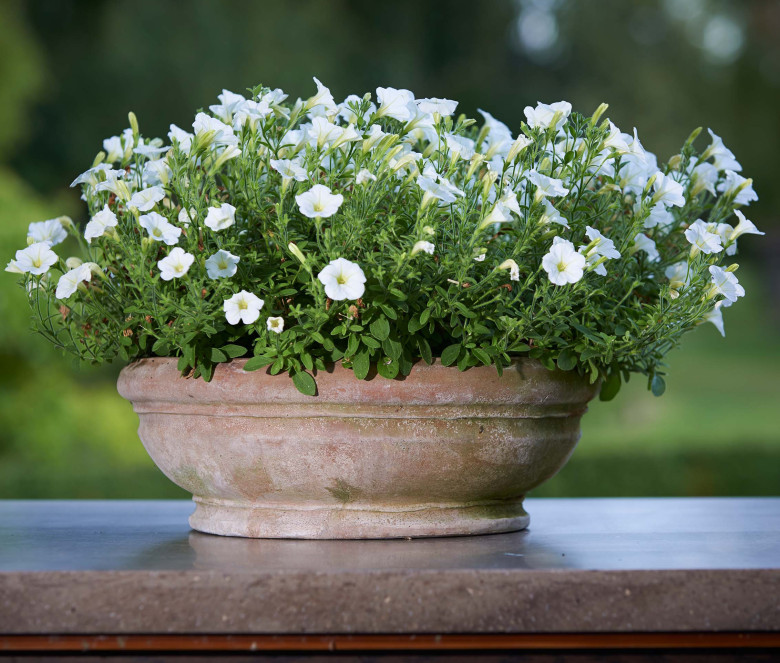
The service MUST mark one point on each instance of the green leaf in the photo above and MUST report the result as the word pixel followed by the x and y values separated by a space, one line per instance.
pixel 389 312
pixel 277 366
pixel 425 350
pixel 387 368
pixel 567 360
pixel 352 345
pixel 380 329
pixel 361 365
pixel 161 348
pixel 610 387
pixel 307 361
pixel 392 348
pixel 305 383
pixel 424 316
pixel 233 351
pixel 414 325
pixel 217 356
pixel 256 363
pixel 657 385
pixel 450 354
pixel 370 342
pixel 464 362
pixel 483 356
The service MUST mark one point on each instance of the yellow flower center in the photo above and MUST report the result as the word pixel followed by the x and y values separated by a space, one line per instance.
pixel 341 279
pixel 318 206
pixel 242 305
pixel 37 262
pixel 561 266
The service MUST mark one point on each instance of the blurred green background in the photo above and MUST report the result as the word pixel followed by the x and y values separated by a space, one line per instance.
pixel 70 71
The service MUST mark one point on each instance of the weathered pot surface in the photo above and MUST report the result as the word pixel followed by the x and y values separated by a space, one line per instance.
pixel 438 453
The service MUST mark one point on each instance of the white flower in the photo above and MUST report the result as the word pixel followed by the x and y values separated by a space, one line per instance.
pixel 176 264
pixel 375 134
pixel 517 146
pixel 499 137
pixel 547 186
pixel 722 156
pixel 460 146
pixel 744 227
pixel 543 115
pixel 499 214
pixel 230 102
pixel 511 265
pixel 115 184
pixel 715 316
pixel 616 140
pixel 157 171
pixel 187 216
pixel 222 264
pixel 323 97
pixel 150 150
pixel 705 177
pixel 343 280
pixel 667 191
pixel 69 281
pixel 599 247
pixel 552 215
pixel 275 324
pixel 349 115
pixel 444 107
pixel 321 132
pixel 364 176
pixel 50 231
pixel 97 225
pixel 319 202
pixel 251 112
pixel 726 284
pixel 643 243
pixel 425 247
pixel 183 138
pixel 509 200
pixel 159 229
pixel 699 235
pixel 144 200
pixel 394 103
pixel 289 169
pixel 35 259
pixel 438 187
pixel 219 218
pixel 562 263
pixel 659 216
pixel 242 307
pixel 734 183
pixel 678 275
pixel 209 130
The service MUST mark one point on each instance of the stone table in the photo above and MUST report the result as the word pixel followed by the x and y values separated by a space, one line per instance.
pixel 613 577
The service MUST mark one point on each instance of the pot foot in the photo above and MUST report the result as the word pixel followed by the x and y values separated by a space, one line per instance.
pixel 248 519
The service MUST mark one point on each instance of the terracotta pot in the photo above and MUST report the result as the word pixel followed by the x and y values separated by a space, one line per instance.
pixel 439 453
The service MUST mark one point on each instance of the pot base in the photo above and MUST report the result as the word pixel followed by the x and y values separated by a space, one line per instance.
pixel 229 518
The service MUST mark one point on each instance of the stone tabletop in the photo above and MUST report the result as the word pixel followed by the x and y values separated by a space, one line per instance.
pixel 584 565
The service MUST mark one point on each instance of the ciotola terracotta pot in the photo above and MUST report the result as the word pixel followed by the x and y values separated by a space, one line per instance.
pixel 438 453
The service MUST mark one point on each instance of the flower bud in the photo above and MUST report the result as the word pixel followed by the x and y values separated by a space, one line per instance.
pixel 733 267
pixel 100 157
pixel 675 162
pixel 133 125
pixel 65 221
pixel 520 143
pixel 598 113
pixel 476 160
pixel 73 262
pixel 293 248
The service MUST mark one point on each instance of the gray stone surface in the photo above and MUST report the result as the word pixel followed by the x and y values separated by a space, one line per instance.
pixel 586 565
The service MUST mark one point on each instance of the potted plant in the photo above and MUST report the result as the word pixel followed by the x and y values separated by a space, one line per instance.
pixel 378 318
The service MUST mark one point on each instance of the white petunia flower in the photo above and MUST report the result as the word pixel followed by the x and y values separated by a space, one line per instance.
pixel 176 264
pixel 517 146
pixel 242 307
pixel 499 138
pixel 251 112
pixel 667 191
pixel 157 172
pixel 562 263
pixel 150 150
pixel 220 218
pixel 159 229
pixel 343 280
pixel 289 169
pixel 702 239
pixel 275 325
pixel 743 188
pixel 444 107
pixel 97 225
pixel 616 140
pixel 678 275
pixel 543 115
pixel 187 216
pixel 546 186
pixel 438 187
pixel 69 281
pixel 744 227
pixel 704 177
pixel 599 247
pixel 715 316
pixel 726 284
pixel 211 131
pixel 425 247
pixel 394 103
pixel 349 115
pixel 319 201
pixel 552 215
pixel 183 138
pixel 50 231
pixel 323 98
pixel 643 243
pixel 321 132
pixel 460 146
pixel 36 259
pixel 364 176
pixel 144 200
pixel 722 156
pixel 659 216
pixel 230 102
pixel 222 264
pixel 512 266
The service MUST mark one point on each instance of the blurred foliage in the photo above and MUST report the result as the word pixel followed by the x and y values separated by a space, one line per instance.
pixel 71 69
